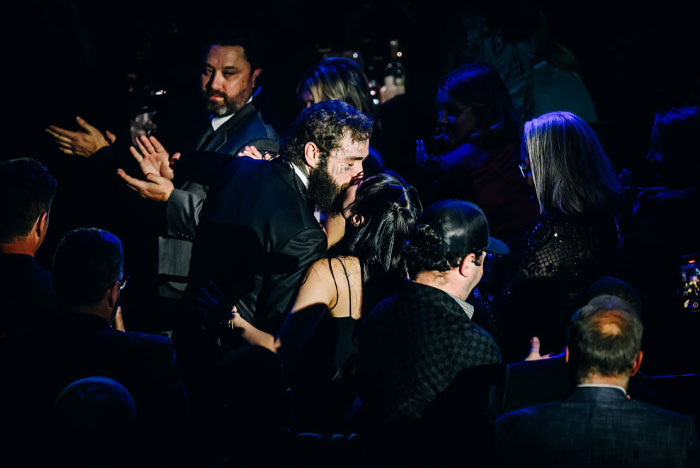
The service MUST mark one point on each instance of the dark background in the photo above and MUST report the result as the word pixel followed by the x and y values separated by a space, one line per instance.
pixel 64 58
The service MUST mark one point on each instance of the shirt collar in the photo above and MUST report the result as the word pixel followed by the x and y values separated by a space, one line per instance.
pixel 604 386
pixel 217 122
pixel 466 307
pixel 304 178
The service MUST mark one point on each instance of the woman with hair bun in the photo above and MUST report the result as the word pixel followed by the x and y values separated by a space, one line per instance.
pixel 317 340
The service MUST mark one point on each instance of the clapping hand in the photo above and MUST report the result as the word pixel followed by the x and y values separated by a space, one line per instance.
pixel 153 158
pixel 422 155
pixel 84 143
pixel 156 166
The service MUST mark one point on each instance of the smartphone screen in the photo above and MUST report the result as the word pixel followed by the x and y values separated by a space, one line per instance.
pixel 690 283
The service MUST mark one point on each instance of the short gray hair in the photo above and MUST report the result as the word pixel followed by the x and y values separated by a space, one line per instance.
pixel 604 337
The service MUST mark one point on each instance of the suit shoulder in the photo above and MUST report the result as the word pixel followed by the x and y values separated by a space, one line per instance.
pixel 158 345
pixel 664 416
pixel 255 131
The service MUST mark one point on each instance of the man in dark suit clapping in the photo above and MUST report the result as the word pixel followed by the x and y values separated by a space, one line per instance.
pixel 599 425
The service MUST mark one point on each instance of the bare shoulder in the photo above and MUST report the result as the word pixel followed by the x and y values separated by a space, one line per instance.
pixel 345 265
pixel 327 271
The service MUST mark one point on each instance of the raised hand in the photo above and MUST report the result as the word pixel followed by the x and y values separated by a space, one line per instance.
pixel 119 320
pixel 422 155
pixel 156 166
pixel 252 152
pixel 83 143
pixel 534 354
pixel 153 157
pixel 155 187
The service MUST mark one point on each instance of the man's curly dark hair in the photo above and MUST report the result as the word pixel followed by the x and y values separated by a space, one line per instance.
pixel 325 124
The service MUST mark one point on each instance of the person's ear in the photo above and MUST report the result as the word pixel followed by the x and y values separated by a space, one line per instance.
pixel 637 362
pixel 43 224
pixel 312 154
pixel 254 76
pixel 464 266
pixel 113 294
pixel 566 354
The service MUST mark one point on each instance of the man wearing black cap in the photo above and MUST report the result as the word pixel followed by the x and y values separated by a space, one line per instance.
pixel 413 344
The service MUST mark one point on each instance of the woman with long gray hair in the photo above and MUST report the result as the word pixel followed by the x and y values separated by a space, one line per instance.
pixel 575 240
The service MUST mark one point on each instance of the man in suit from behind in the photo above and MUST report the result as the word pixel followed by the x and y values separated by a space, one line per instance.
pixel 85 341
pixel 82 339
pixel 26 192
pixel 598 425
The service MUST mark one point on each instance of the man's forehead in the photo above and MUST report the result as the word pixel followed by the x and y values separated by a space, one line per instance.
pixel 350 148
pixel 226 55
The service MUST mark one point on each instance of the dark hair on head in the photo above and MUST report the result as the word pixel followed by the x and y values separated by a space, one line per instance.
pixel 245 37
pixel 325 124
pixel 426 251
pixel 86 264
pixel 570 170
pixel 479 87
pixel 604 338
pixel 338 78
pixel 389 208
pixel 26 191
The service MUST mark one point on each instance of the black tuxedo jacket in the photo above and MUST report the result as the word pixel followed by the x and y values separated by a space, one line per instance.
pixel 600 427
pixel 256 238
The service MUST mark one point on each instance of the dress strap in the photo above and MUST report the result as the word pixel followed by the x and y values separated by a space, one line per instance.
pixel 335 283
pixel 347 278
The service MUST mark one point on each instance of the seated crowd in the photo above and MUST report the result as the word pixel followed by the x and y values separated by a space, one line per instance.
pixel 310 307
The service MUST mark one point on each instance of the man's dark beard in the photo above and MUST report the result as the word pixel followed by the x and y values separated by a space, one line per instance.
pixel 228 106
pixel 324 192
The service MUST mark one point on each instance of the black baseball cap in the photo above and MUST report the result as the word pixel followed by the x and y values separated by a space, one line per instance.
pixel 462 227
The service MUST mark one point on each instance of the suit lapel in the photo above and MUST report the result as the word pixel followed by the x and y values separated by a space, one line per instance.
pixel 206 139
pixel 284 167
pixel 216 140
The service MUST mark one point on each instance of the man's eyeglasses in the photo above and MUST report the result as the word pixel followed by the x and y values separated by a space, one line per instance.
pixel 123 282
pixel 525 170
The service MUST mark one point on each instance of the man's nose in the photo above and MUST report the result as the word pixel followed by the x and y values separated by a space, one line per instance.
pixel 356 171
pixel 214 82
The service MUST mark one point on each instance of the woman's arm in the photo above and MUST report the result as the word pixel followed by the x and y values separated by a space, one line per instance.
pixel 316 295
pixel 312 301
pixel 253 335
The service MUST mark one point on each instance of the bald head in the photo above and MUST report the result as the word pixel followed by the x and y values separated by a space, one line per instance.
pixel 605 338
